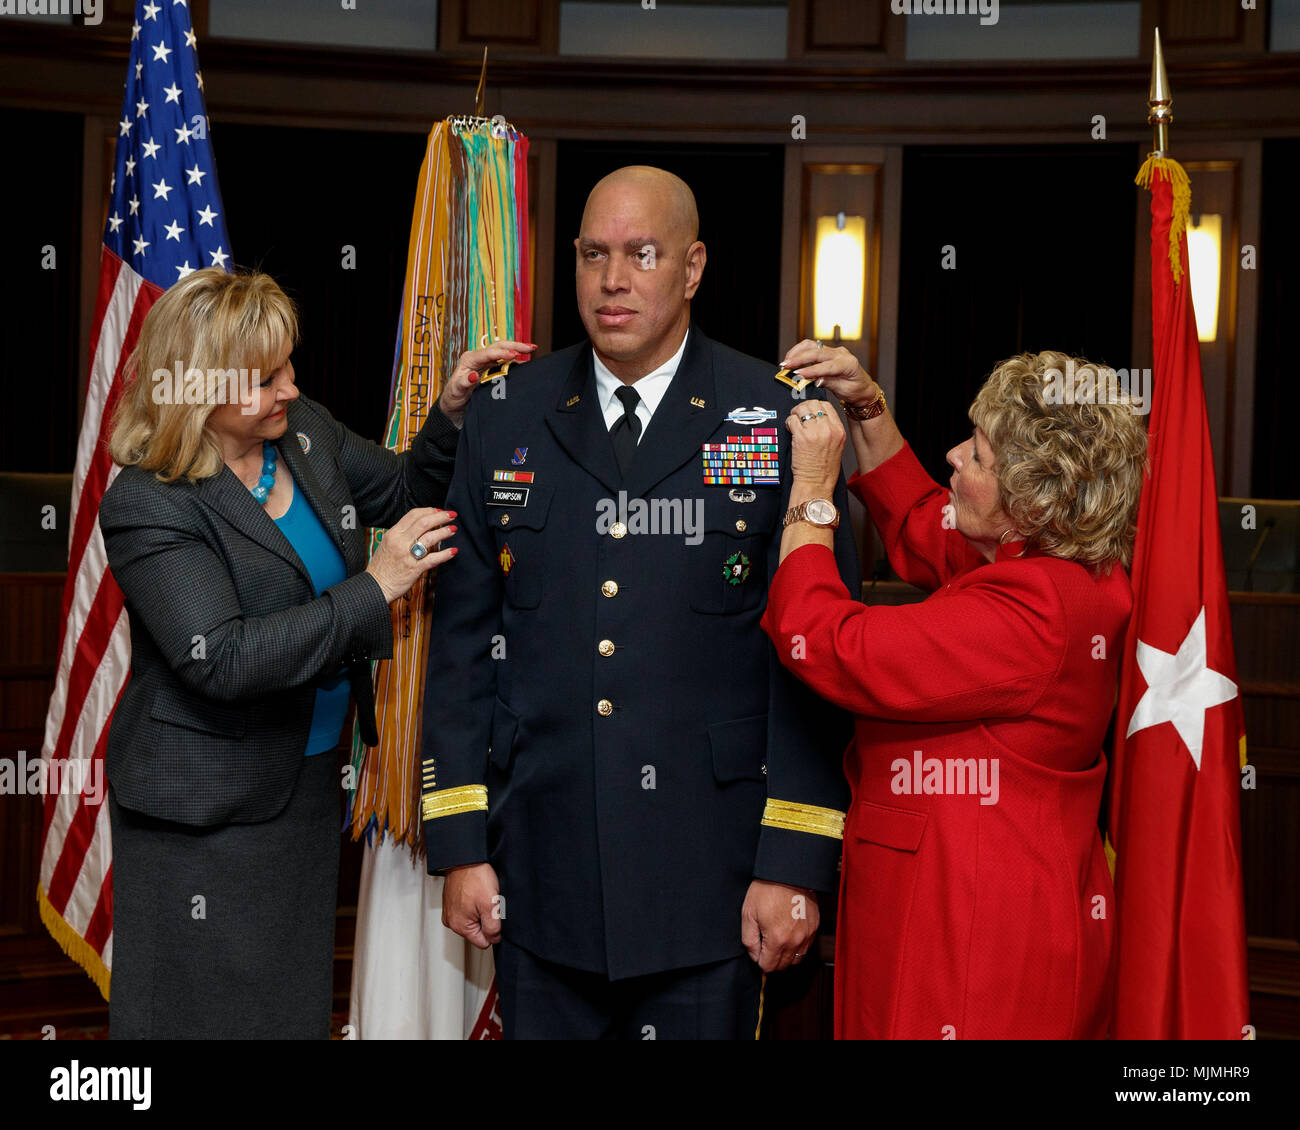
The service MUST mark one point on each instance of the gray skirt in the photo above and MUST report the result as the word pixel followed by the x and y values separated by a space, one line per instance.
pixel 227 932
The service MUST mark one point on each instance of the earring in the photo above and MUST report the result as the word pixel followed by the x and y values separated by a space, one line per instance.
pixel 1003 541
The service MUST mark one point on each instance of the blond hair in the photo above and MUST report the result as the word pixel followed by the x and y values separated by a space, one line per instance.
pixel 1069 467
pixel 208 327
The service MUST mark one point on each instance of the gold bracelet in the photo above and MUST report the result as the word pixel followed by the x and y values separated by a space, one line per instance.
pixel 871 411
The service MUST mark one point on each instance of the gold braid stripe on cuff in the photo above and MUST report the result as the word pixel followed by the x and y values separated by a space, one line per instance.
pixel 449 802
pixel 796 817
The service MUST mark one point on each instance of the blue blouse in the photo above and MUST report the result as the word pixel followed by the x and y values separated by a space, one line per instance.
pixel 325 567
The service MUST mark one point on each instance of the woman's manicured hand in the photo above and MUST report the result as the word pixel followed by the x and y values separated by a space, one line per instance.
pixel 393 565
pixel 470 368
pixel 817 446
pixel 833 368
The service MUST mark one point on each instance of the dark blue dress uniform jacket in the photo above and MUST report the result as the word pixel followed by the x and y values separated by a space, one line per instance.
pixel 604 720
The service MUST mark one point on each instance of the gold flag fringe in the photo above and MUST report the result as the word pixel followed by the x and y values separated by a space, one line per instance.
pixel 1173 172
pixel 73 944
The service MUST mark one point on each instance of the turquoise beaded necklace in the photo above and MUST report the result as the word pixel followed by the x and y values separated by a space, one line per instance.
pixel 267 481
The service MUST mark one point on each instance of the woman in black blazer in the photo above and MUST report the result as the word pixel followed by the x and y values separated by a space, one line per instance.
pixel 237 532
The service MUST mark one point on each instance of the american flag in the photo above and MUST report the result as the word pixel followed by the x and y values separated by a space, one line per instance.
pixel 164 221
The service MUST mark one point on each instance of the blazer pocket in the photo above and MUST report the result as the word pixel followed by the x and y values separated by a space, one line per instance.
pixel 898 828
pixel 739 749
pixel 520 533
pixel 728 572
pixel 505 725
pixel 226 720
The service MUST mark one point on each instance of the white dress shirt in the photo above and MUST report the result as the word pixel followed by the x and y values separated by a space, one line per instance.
pixel 650 388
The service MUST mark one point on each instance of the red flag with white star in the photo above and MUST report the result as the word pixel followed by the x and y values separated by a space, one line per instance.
pixel 1175 820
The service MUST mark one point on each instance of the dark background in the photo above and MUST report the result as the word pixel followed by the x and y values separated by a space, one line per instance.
pixel 294 198
pixel 1273 472
pixel 738 194
pixel 1044 239
pixel 40 198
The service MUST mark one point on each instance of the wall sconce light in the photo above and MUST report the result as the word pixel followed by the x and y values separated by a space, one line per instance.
pixel 1204 234
pixel 839 277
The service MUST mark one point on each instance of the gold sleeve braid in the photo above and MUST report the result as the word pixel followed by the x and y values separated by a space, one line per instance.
pixel 796 817
pixel 450 802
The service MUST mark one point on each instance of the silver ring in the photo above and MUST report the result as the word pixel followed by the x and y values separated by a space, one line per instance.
pixel 805 419
pixel 819 345
pixel 418 550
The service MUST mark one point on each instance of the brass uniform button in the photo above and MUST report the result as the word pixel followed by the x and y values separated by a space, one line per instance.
pixel 605 647
pixel 604 708
pixel 505 519
pixel 740 524
pixel 618 530
pixel 610 588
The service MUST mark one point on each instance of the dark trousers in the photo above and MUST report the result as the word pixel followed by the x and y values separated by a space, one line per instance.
pixel 541 1000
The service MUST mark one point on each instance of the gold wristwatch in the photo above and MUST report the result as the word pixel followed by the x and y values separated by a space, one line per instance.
pixel 819 511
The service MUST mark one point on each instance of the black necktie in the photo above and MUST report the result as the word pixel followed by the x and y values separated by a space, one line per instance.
pixel 627 428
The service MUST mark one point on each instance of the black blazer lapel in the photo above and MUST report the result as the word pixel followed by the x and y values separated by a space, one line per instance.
pixel 233 501
pixel 687 415
pixel 329 510
pixel 579 425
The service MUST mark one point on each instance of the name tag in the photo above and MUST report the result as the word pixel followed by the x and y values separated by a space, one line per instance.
pixel 507 496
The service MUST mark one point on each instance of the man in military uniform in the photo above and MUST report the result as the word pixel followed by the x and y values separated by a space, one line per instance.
pixel 627 792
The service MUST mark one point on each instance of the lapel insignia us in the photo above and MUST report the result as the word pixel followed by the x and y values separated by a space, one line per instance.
pixel 736 569
pixel 696 402
pixel 304 441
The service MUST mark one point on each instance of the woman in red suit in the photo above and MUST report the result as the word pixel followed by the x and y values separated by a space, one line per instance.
pixel 975 898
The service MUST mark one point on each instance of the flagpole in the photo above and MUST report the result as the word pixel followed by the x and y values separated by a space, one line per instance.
pixel 1160 102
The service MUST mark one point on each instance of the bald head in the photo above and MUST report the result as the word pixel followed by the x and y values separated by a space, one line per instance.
pixel 637 267
pixel 668 194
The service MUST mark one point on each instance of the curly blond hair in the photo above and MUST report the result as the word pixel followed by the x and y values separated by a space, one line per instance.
pixel 207 327
pixel 1070 451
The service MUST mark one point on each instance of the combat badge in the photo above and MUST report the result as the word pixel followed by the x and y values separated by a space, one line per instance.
pixel 751 417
